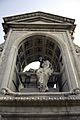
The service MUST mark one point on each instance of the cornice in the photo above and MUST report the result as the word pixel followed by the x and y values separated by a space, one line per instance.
pixel 33 26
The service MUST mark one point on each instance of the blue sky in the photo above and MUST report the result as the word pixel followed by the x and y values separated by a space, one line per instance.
pixel 66 8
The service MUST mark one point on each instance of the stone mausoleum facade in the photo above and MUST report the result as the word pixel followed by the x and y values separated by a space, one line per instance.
pixel 27 38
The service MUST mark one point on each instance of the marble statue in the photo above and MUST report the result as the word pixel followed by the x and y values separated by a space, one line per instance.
pixel 43 74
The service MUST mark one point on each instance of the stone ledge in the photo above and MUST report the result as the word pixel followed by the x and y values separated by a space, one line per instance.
pixel 40 100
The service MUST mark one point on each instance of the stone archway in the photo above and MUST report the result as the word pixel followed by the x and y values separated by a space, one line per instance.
pixel 29 50
pixel 65 84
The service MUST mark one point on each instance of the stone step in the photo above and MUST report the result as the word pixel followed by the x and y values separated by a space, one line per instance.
pixel 35 89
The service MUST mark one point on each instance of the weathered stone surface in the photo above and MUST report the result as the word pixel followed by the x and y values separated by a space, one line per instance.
pixel 28 36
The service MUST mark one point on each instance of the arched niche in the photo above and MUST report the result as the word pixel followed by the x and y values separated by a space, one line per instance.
pixel 29 50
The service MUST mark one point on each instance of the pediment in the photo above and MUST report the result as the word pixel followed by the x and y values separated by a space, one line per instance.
pixel 38 17
pixel 37 20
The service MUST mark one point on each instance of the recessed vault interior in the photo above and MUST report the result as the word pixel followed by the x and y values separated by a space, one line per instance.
pixel 33 47
pixel 29 50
